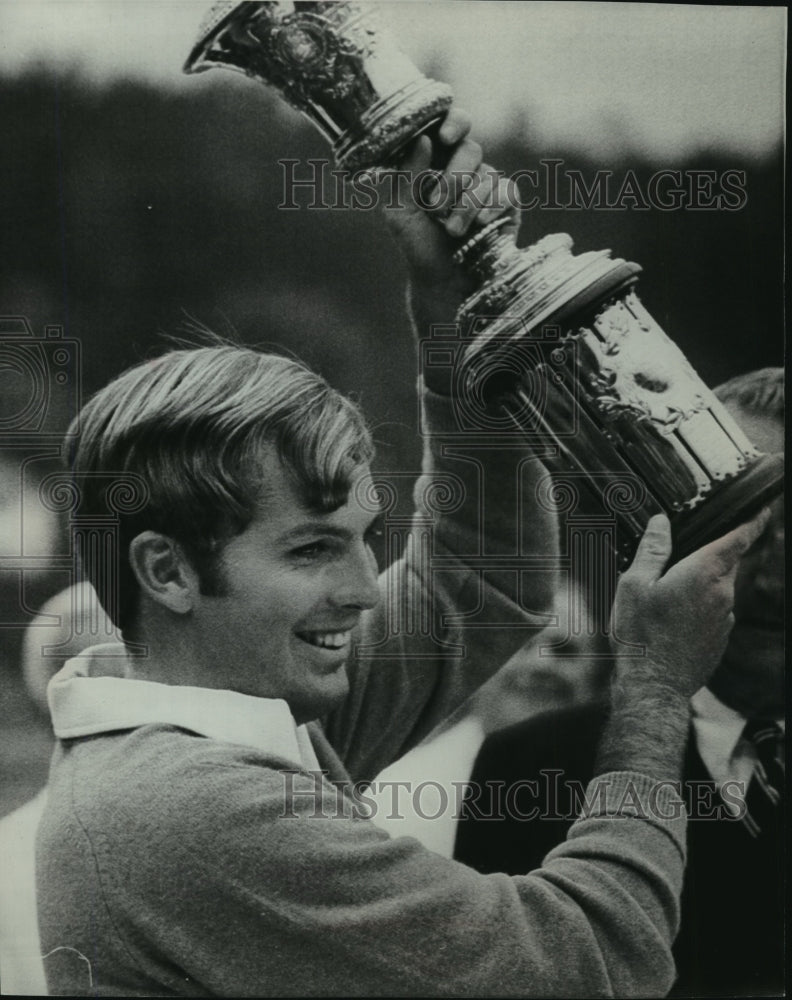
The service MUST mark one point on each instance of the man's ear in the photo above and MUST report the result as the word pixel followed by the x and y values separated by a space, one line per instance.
pixel 163 572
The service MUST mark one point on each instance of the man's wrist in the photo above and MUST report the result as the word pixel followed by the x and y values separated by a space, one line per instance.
pixel 647 729
pixel 641 681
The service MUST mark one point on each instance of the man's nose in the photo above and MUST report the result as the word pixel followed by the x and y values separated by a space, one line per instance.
pixel 357 586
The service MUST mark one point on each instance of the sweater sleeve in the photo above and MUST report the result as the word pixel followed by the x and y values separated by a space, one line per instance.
pixel 276 888
pixel 475 580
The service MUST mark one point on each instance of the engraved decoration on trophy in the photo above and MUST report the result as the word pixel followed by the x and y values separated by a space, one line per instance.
pixel 332 61
pixel 617 397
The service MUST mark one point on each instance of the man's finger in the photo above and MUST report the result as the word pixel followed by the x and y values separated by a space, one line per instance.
pixel 477 190
pixel 653 550
pixel 455 127
pixel 460 175
pixel 419 156
pixel 465 160
pixel 505 199
pixel 723 555
pixel 484 199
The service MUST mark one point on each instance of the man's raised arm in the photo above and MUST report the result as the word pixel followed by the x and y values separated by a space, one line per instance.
pixel 478 575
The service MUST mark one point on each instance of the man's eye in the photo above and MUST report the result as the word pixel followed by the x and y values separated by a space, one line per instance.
pixel 309 551
pixel 373 534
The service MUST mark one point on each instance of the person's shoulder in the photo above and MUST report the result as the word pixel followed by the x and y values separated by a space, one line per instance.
pixel 161 812
pixel 161 771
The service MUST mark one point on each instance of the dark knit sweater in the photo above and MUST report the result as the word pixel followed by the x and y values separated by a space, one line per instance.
pixel 187 866
pixel 170 863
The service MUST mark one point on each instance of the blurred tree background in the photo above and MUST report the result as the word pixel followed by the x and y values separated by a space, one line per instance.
pixel 129 211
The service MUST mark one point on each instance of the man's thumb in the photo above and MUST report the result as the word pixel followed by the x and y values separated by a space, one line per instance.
pixel 653 550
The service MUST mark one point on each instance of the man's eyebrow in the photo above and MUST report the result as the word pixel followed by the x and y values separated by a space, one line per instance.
pixel 312 528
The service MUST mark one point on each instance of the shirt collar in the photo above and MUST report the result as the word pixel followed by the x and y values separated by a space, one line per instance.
pixel 718 731
pixel 718 728
pixel 91 695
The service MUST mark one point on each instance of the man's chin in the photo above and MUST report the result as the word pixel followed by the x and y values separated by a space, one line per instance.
pixel 338 690
pixel 329 695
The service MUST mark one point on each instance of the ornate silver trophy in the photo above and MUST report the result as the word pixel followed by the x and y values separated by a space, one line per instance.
pixel 574 355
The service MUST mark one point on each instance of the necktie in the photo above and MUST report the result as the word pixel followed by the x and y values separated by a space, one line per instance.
pixel 764 797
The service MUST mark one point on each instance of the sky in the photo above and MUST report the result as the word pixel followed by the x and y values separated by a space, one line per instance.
pixel 663 78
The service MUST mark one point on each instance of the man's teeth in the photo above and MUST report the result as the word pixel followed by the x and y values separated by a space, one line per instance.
pixel 327 640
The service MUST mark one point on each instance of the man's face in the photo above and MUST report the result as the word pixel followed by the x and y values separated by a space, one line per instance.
pixel 296 583
pixel 750 677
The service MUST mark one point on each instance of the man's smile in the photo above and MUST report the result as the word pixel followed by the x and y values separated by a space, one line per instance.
pixel 326 640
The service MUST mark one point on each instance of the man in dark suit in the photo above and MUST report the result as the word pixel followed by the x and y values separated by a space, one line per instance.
pixel 732 925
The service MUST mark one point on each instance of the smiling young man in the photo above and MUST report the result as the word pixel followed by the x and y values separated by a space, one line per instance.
pixel 279 565
pixel 193 842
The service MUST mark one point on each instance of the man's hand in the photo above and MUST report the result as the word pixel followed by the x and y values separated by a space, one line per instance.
pixel 682 617
pixel 466 196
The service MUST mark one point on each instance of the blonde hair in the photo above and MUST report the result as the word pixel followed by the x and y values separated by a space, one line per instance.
pixel 194 426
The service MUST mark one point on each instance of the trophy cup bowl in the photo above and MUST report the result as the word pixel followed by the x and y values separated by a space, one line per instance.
pixel 334 63
pixel 575 357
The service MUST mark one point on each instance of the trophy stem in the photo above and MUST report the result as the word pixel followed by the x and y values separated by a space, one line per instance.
pixel 489 252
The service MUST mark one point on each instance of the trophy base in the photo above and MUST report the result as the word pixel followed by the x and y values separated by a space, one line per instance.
pixel 566 348
pixel 728 506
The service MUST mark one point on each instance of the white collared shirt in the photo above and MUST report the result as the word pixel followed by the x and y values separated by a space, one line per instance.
pixel 718 730
pixel 93 693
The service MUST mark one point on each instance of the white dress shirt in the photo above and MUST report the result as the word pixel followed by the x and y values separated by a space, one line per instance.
pixel 724 752
pixel 93 693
